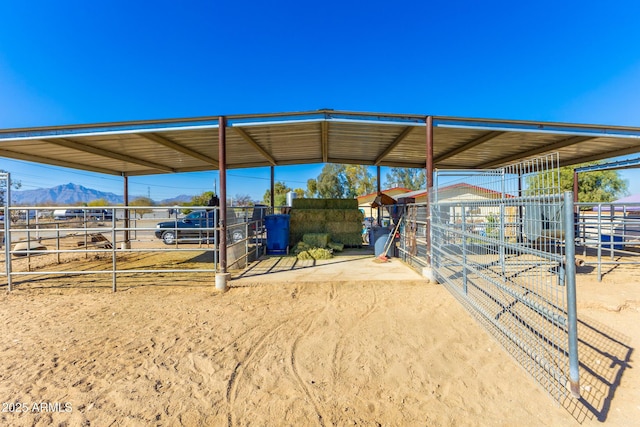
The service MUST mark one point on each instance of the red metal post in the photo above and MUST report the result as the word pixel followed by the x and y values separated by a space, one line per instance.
pixel 222 161
pixel 379 192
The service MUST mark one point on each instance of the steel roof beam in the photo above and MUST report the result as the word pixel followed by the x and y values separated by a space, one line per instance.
pixel 67 143
pixel 405 132
pixel 55 162
pixel 620 164
pixel 179 148
pixel 255 145
pixel 543 149
pixel 411 165
pixel 468 146
pixel 610 154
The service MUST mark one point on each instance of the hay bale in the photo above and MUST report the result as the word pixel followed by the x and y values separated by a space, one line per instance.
pixel 335 215
pixel 317 240
pixel 308 204
pixel 303 203
pixel 315 254
pixel 307 221
pixel 353 216
pixel 300 247
pixel 350 240
pixel 341 203
pixel 306 216
pixel 343 227
pixel 294 237
pixel 339 247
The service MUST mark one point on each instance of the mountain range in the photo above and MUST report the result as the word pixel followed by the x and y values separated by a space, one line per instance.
pixel 74 194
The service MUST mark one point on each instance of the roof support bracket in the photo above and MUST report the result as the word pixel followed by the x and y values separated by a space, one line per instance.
pixel 405 132
pixel 179 148
pixel 64 142
pixel 539 150
pixel 469 145
pixel 255 145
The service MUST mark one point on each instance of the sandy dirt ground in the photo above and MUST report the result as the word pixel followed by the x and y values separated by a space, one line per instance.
pixel 307 352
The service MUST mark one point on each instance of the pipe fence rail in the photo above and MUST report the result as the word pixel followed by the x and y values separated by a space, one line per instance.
pixel 144 243
pixel 497 245
pixel 608 234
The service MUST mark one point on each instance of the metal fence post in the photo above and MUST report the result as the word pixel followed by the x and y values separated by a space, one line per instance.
pixel 464 249
pixel 7 229
pixel 570 271
pixel 113 252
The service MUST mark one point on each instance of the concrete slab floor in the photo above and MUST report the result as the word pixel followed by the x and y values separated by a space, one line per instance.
pixel 350 265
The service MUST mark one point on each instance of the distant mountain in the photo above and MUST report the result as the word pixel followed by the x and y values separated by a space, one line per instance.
pixel 74 194
pixel 178 200
pixel 67 194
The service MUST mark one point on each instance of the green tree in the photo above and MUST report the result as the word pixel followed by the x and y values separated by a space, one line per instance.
pixel 359 180
pixel 142 201
pixel 332 183
pixel 280 190
pixel 202 199
pixel 312 188
pixel 341 181
pixel 411 178
pixel 596 186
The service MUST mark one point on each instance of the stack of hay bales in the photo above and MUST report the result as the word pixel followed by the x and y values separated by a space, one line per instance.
pixel 339 218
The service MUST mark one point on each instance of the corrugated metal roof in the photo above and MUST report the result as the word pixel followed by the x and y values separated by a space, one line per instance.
pixel 189 145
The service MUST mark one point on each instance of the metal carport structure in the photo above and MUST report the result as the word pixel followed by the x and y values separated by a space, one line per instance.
pixel 153 147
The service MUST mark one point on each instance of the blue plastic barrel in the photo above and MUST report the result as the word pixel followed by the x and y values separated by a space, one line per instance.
pixel 277 234
pixel 605 238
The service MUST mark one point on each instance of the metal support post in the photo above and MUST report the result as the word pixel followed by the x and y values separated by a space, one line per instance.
pixel 572 315
pixel 222 161
pixel 126 212
pixel 114 265
pixel 429 168
pixel 379 185
pixel 464 250
pixel 7 230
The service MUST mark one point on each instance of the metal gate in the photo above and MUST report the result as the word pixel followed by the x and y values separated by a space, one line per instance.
pixel 498 244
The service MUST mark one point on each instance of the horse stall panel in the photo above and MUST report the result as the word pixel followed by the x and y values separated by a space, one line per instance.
pixel 497 244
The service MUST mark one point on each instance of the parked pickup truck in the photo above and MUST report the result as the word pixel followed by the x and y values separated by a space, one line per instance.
pixel 198 226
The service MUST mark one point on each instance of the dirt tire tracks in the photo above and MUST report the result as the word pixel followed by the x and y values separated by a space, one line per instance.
pixel 294 363
pixel 338 351
pixel 234 378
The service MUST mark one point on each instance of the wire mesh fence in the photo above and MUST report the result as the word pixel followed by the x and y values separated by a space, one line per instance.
pixel 498 246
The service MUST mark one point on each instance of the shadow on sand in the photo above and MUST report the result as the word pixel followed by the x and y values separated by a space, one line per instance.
pixel 604 355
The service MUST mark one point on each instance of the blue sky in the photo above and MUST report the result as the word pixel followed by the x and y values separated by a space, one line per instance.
pixel 84 62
